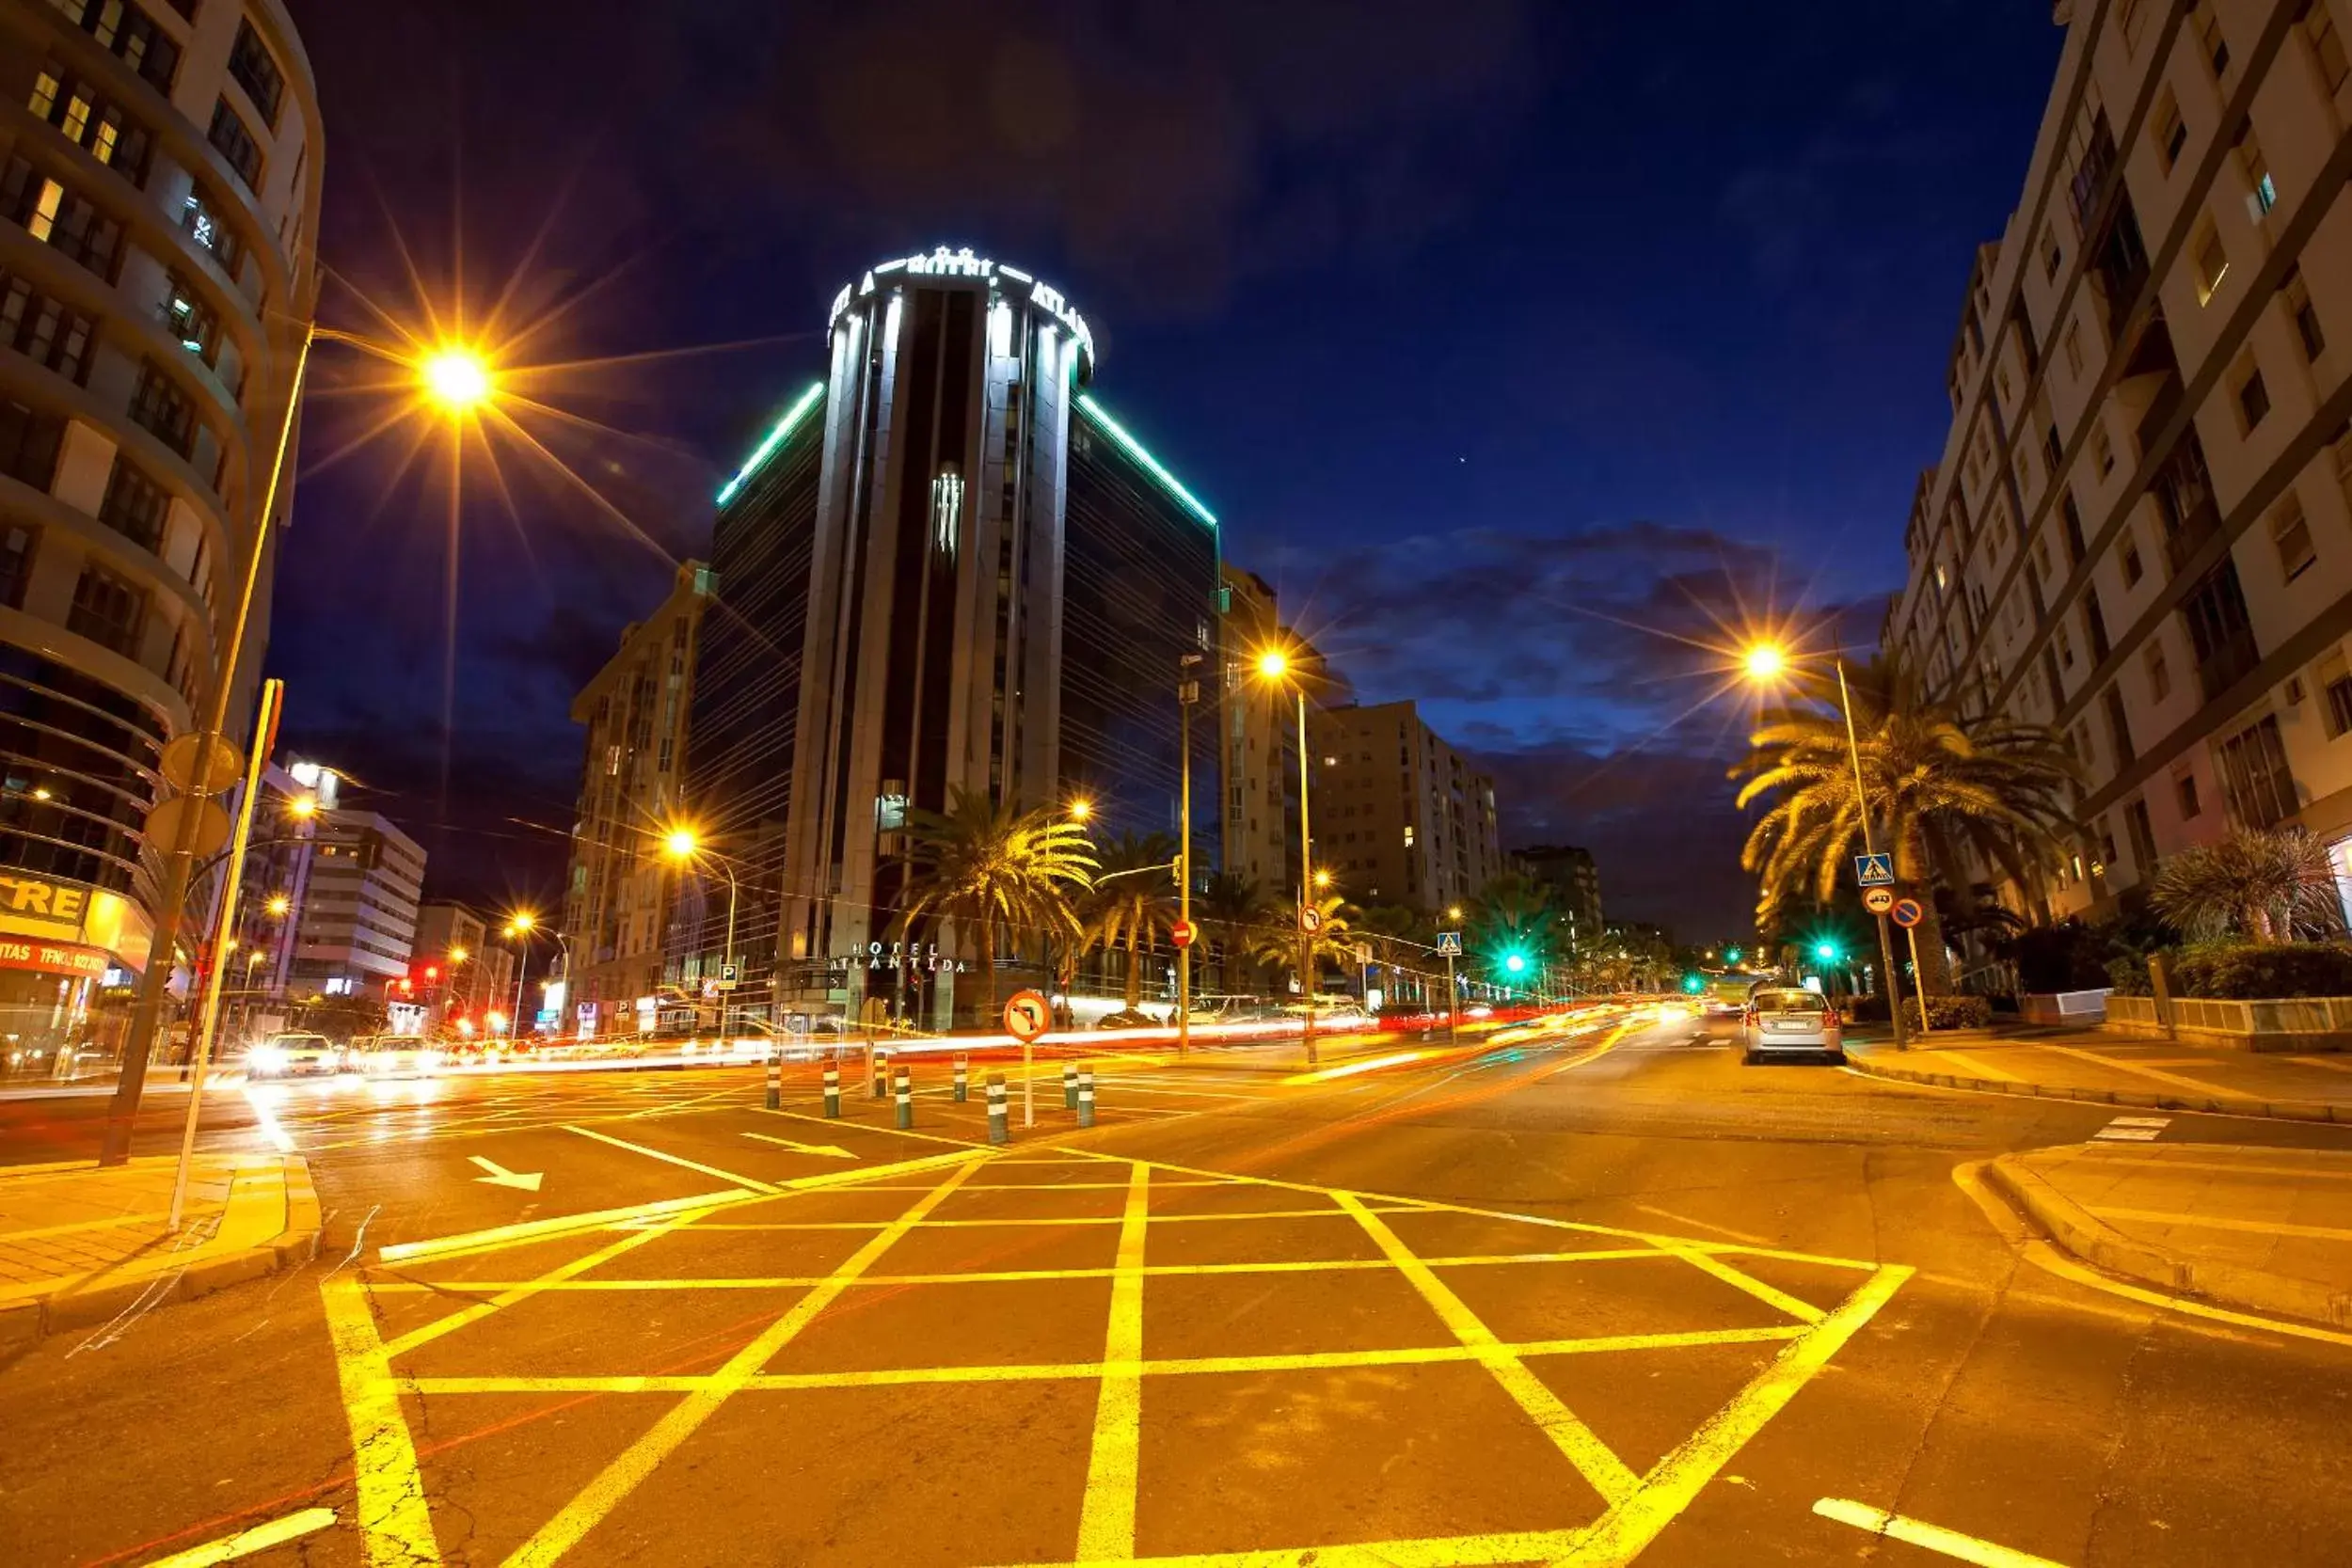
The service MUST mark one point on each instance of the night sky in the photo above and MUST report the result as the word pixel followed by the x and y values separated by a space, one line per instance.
pixel 1510 342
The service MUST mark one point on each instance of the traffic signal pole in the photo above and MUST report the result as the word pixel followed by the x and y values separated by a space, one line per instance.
pixel 1861 809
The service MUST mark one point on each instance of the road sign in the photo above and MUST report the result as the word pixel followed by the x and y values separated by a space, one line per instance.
pixel 1364 952
pixel 178 765
pixel 1874 870
pixel 212 824
pixel 726 976
pixel 1026 1016
pixel 1908 912
pixel 1878 900
pixel 1310 920
pixel 1450 944
pixel 1182 933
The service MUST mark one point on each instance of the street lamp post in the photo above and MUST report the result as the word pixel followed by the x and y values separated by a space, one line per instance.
pixel 1276 666
pixel 454 378
pixel 1187 694
pixel 684 846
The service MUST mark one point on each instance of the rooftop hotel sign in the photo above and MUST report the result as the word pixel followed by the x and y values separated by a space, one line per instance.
pixel 943 262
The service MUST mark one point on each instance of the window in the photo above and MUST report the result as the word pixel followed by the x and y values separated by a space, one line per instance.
pixel 162 408
pixel 2134 569
pixel 2213 264
pixel 196 324
pixel 2119 726
pixel 43 330
pixel 2102 448
pixel 2292 535
pixel 2128 20
pixel 2254 401
pixel 136 506
pixel 16 564
pixel 2300 311
pixel 2053 255
pixel 120 25
pixel 237 144
pixel 2065 646
pixel 2319 31
pixel 2142 836
pixel 2335 686
pixel 256 71
pixel 108 611
pixel 85 118
pixel 2260 194
pixel 2257 786
pixel 2221 633
pixel 60 218
pixel 2159 678
pixel 199 217
pixel 2185 791
pixel 2209 35
pixel 2052 448
pixel 2074 349
pixel 2171 132
pixel 28 444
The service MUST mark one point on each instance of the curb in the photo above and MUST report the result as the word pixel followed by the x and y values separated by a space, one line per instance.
pixel 2275 1110
pixel 29 1322
pixel 2093 1241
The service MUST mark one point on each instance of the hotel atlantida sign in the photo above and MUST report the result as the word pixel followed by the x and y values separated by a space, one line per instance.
pixel 61 927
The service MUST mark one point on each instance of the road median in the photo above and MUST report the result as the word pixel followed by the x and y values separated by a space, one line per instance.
pixel 81 1244
pixel 2229 1225
pixel 2052 1072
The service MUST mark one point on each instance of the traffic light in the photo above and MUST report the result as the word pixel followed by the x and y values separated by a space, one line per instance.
pixel 1731 954
pixel 1515 962
pixel 1694 983
pixel 1826 951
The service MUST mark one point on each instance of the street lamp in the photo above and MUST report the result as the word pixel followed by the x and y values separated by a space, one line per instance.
pixel 1276 668
pixel 456 380
pixel 1765 662
pixel 684 846
pixel 1188 697
pixel 521 924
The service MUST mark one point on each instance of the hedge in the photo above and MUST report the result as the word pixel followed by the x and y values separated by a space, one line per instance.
pixel 1959 1010
pixel 2255 970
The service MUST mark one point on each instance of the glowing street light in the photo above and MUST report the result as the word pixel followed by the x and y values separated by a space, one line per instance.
pixel 683 845
pixel 303 807
pixel 455 378
pixel 680 843
pixel 1081 809
pixel 1765 662
pixel 278 905
pixel 1322 878
pixel 1276 667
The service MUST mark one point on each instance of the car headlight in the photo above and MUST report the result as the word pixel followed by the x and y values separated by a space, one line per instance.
pixel 268 1058
pixel 428 1058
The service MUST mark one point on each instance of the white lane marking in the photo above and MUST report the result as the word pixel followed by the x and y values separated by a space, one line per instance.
pixel 528 1181
pixel 672 1159
pixel 267 1117
pixel 1935 1538
pixel 829 1150
pixel 2137 1130
pixel 246 1543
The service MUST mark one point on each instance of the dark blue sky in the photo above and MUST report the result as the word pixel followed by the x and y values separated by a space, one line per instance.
pixel 1493 332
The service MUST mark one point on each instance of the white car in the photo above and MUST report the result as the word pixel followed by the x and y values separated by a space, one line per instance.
pixel 294 1055
pixel 1783 1020
pixel 394 1056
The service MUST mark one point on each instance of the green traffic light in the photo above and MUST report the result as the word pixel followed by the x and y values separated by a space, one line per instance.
pixel 1515 962
pixel 1731 954
pixel 1693 983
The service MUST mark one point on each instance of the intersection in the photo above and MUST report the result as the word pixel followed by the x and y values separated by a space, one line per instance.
pixel 1580 1295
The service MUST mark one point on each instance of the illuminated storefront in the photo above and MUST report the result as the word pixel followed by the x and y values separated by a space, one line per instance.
pixel 69 956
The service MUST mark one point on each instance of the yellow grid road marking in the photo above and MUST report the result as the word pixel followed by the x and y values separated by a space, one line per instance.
pixel 1031 1224
pixel 395 1524
pixel 1106 1518
pixel 1609 1474
pixel 532 1230
pixel 623 1475
pixel 1444 1551
pixel 1294 1361
pixel 1935 1538
pixel 1803 1311
pixel 294 1527
pixel 671 1159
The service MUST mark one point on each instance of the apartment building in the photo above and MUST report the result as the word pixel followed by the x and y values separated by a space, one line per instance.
pixel 1567 873
pixel 476 974
pixel 1258 738
pixel 1399 815
pixel 2140 528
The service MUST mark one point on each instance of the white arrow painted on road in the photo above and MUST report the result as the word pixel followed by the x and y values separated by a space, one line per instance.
pixel 802 1149
pixel 500 1177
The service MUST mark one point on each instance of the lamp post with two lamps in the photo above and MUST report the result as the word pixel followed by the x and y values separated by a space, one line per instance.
pixel 1767 663
pixel 1279 668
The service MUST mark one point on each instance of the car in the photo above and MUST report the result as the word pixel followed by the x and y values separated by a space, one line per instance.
pixel 294 1055
pixel 394 1056
pixel 1783 1021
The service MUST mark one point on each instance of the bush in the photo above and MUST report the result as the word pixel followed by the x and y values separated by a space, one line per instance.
pixel 1864 1009
pixel 2069 956
pixel 1960 1011
pixel 2253 970
pixel 2128 974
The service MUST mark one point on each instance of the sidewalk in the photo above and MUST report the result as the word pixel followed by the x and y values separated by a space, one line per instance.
pixel 2261 1229
pixel 80 1244
pixel 2112 1070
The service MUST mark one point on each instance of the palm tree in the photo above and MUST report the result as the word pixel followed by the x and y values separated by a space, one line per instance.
pixel 1514 915
pixel 1136 908
pixel 1939 782
pixel 1227 908
pixel 1398 937
pixel 2265 885
pixel 1274 940
pixel 988 866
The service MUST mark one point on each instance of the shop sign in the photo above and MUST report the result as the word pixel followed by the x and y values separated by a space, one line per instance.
pixel 912 958
pixel 40 906
pixel 54 958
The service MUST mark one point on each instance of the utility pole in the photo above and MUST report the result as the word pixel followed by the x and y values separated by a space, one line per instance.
pixel 1187 693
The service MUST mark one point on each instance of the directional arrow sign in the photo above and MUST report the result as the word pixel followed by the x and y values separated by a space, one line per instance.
pixel 500 1177
pixel 802 1149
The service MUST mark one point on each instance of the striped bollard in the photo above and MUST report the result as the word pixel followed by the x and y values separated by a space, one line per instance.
pixel 964 1085
pixel 776 1076
pixel 999 1131
pixel 1070 1087
pixel 882 1074
pixel 1086 1096
pixel 906 1098
pixel 833 1088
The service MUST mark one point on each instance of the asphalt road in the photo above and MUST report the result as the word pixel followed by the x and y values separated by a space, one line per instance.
pixel 1561 1297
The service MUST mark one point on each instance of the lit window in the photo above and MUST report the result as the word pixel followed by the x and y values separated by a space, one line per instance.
pixel 44 219
pixel 45 94
pixel 2213 265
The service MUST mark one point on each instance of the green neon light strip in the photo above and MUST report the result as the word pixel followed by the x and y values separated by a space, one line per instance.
pixel 1151 464
pixel 792 417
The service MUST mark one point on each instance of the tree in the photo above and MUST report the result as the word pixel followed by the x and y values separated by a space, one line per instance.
pixel 1137 906
pixel 1275 941
pixel 2263 885
pixel 1943 787
pixel 1514 916
pixel 988 866
pixel 1228 909
pixel 1400 939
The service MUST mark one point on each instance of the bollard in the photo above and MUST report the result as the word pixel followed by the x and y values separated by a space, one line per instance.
pixel 997 1130
pixel 906 1098
pixel 1070 1087
pixel 833 1088
pixel 882 1074
pixel 963 1088
pixel 775 1077
pixel 1086 1096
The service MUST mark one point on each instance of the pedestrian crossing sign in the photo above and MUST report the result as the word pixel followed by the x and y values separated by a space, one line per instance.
pixel 1874 870
pixel 1449 944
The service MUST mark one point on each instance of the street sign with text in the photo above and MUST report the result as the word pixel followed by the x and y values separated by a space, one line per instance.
pixel 1874 870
